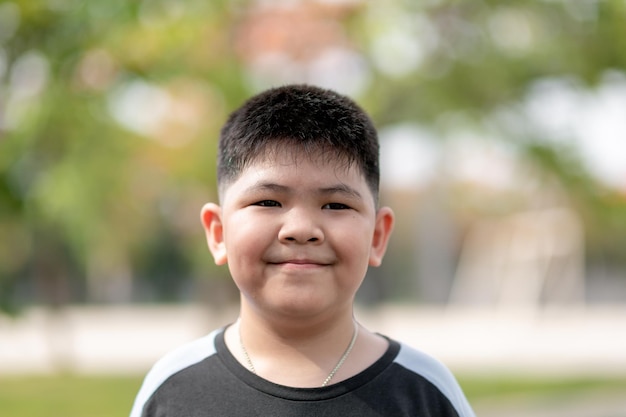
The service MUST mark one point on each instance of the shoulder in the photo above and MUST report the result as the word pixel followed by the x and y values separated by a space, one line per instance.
pixel 425 365
pixel 172 363
pixel 436 373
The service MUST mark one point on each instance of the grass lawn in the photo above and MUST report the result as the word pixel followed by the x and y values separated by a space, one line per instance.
pixel 516 396
pixel 112 396
pixel 67 396
pixel 512 385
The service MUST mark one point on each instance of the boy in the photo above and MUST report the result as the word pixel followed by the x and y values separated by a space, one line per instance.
pixel 298 225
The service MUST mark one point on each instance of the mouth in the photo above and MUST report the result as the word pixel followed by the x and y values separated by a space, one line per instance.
pixel 300 263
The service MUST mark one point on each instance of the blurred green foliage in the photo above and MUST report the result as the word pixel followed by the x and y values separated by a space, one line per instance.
pixel 109 114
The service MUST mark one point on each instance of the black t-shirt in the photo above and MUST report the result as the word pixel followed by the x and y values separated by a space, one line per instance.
pixel 203 378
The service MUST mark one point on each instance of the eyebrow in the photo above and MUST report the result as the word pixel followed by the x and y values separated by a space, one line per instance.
pixel 339 188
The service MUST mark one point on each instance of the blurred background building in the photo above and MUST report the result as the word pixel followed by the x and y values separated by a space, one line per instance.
pixel 502 131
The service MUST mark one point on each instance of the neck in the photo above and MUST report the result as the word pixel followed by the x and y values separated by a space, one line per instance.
pixel 330 375
pixel 314 348
pixel 286 330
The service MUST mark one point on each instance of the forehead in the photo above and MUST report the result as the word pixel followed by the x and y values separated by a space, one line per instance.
pixel 317 165
pixel 300 169
pixel 290 158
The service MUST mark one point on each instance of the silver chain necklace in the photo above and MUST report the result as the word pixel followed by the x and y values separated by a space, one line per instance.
pixel 330 375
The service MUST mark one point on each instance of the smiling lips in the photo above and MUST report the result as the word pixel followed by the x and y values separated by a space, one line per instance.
pixel 300 262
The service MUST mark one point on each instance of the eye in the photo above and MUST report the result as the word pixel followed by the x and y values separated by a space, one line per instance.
pixel 267 203
pixel 335 206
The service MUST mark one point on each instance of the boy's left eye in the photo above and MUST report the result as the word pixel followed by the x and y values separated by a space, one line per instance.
pixel 267 203
pixel 335 206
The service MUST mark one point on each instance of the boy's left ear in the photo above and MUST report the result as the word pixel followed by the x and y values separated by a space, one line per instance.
pixel 211 216
pixel 382 232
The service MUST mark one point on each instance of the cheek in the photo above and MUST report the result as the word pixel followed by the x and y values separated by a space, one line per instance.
pixel 356 247
pixel 240 247
pixel 246 239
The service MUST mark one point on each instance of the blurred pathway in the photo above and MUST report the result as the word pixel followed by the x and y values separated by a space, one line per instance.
pixel 584 341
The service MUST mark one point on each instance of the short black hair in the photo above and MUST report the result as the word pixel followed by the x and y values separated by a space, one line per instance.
pixel 306 118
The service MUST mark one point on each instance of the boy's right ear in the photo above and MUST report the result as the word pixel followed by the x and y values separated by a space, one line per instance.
pixel 211 216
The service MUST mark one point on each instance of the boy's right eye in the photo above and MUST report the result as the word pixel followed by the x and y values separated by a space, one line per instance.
pixel 267 203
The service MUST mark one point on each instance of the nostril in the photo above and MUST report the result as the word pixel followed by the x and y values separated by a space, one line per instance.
pixel 293 239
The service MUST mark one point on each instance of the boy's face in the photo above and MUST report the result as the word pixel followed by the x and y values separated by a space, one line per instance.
pixel 298 234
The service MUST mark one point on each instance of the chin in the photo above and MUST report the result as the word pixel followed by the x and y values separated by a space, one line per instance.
pixel 300 309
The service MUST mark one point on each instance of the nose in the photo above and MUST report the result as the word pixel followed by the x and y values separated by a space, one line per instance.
pixel 300 226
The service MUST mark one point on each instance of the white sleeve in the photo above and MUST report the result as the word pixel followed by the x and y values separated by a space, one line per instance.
pixel 438 375
pixel 170 364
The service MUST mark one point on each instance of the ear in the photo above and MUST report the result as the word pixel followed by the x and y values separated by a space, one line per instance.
pixel 211 216
pixel 382 232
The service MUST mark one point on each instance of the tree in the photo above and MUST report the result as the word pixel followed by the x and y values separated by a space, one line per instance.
pixel 109 112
